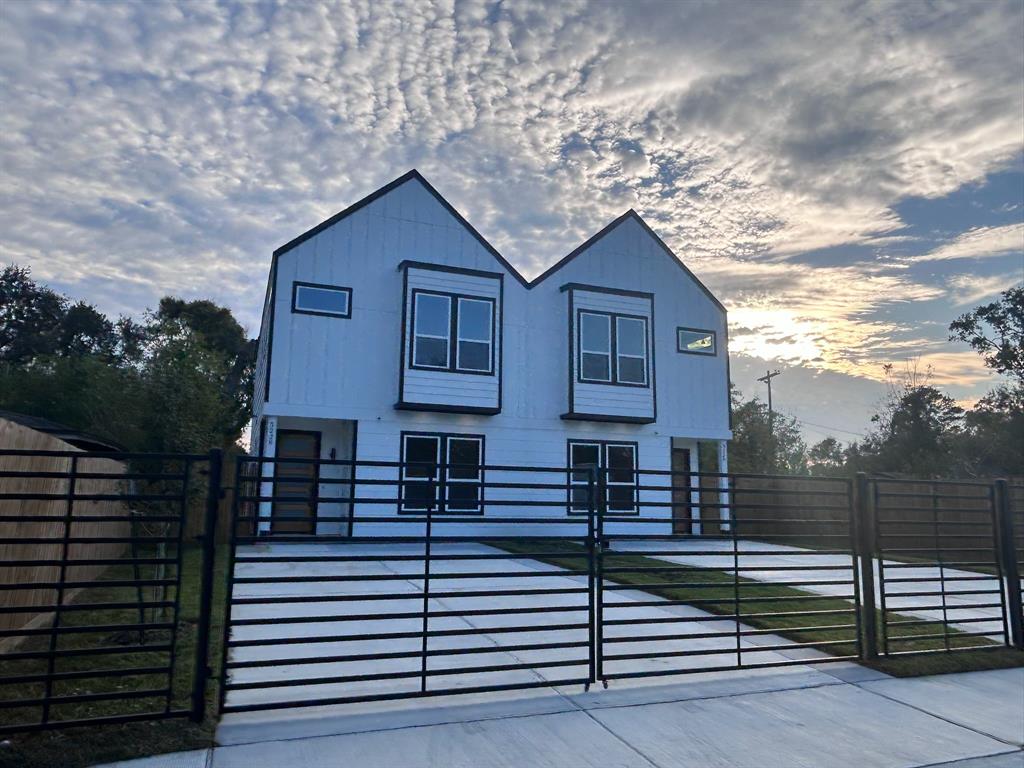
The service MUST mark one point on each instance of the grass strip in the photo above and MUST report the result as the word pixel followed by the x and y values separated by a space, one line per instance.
pixel 88 745
pixel 974 652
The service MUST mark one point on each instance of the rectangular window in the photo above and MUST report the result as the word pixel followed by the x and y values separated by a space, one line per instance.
pixel 315 299
pixel 631 350
pixel 440 317
pixel 696 342
pixel 419 472
pixel 615 462
pixel 584 459
pixel 463 475
pixel 431 330
pixel 475 318
pixel 613 348
pixel 595 347
pixel 454 488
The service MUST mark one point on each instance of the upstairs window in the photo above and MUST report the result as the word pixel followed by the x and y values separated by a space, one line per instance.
pixel 613 349
pixel 696 342
pixel 317 299
pixel 453 333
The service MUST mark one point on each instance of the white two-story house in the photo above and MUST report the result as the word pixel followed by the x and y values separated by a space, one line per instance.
pixel 394 332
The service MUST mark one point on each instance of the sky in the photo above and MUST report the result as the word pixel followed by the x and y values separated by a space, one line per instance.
pixel 847 177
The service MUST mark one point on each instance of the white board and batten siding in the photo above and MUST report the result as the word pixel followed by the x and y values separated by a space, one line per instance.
pixel 610 399
pixel 357 368
pixel 428 387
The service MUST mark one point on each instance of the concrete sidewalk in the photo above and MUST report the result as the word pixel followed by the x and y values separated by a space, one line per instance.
pixel 833 716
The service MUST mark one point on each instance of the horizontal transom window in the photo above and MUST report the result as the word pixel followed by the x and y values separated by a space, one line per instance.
pixel 695 341
pixel 316 299
pixel 613 348
pixel 452 332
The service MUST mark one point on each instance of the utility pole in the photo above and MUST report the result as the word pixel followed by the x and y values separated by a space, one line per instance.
pixel 767 379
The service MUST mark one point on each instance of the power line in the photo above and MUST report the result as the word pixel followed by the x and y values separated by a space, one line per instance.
pixel 826 426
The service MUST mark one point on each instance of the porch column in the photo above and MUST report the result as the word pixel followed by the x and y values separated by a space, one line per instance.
pixel 694 482
pixel 723 484
pixel 269 448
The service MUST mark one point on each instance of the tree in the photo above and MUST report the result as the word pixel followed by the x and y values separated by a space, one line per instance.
pixel 996 332
pixel 180 381
pixel 31 317
pixel 826 457
pixel 763 445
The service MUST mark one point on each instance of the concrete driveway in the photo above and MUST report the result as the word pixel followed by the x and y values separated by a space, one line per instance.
pixel 375 587
pixel 959 605
pixel 809 715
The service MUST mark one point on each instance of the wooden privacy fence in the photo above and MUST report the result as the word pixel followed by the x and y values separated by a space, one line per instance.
pixel 41 540
pixel 782 507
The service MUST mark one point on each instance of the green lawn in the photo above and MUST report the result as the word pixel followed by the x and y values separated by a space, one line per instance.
pixel 88 745
pixel 805 614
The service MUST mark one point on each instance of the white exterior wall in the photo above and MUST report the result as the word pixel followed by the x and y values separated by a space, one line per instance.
pixel 334 368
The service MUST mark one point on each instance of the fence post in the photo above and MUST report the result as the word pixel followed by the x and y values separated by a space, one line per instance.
pixel 201 671
pixel 864 546
pixel 1008 556
pixel 601 509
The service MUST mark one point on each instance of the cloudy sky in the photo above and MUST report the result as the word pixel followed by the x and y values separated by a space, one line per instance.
pixel 848 177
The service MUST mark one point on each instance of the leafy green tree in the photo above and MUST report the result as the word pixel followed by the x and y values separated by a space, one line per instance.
pixel 827 457
pixel 180 381
pixel 764 445
pixel 996 332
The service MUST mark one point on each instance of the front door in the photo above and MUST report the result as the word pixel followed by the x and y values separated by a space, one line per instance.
pixel 296 479
pixel 681 497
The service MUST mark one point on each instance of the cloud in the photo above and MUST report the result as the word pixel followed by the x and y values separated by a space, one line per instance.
pixel 981 242
pixel 971 289
pixel 152 148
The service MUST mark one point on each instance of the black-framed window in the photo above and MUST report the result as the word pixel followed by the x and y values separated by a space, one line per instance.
pixel 695 341
pixel 319 299
pixel 452 332
pixel 612 348
pixel 442 472
pixel 616 460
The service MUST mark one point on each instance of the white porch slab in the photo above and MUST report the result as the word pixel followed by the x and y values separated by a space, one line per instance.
pixel 835 726
pixel 991 701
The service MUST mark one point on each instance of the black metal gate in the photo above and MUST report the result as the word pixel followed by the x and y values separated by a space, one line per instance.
pixel 406 589
pixel 765 575
pixel 104 596
pixel 937 548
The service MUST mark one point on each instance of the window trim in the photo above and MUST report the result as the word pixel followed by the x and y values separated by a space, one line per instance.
pixel 714 341
pixel 453 333
pixel 603 446
pixel 613 330
pixel 297 310
pixel 441 478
